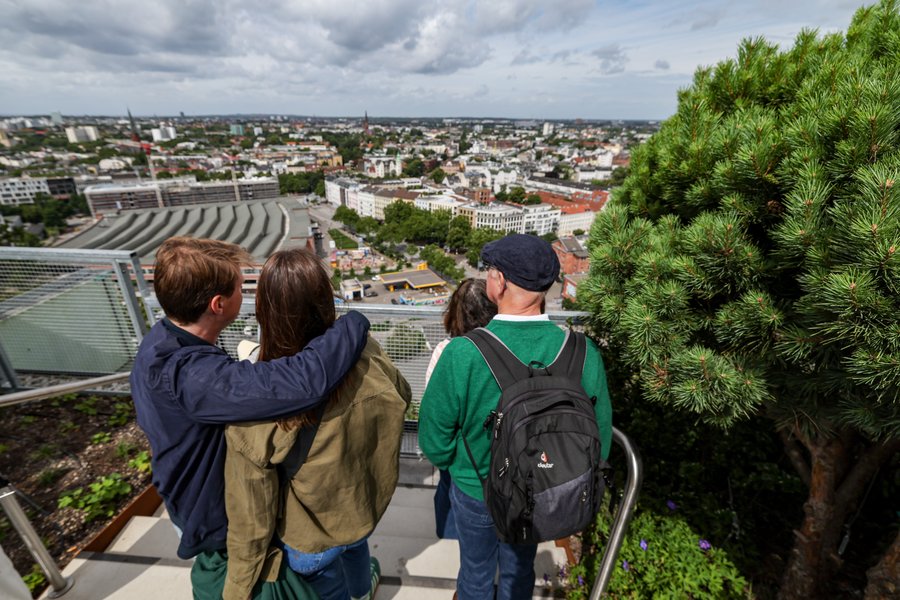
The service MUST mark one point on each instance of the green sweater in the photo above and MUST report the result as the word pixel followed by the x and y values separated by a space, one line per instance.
pixel 462 392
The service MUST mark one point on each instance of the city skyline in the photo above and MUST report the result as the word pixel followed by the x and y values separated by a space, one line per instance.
pixel 525 59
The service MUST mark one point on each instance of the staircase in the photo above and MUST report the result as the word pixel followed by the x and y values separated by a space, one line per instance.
pixel 141 563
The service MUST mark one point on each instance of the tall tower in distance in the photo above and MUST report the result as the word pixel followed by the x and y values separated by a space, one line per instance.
pixel 135 137
pixel 366 124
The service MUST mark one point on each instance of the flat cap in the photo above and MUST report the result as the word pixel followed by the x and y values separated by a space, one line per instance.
pixel 526 260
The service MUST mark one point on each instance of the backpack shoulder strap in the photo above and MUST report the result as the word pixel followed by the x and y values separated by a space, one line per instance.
pixel 300 450
pixel 571 357
pixel 506 368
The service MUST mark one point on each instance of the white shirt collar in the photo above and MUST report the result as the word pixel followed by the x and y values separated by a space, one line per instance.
pixel 519 318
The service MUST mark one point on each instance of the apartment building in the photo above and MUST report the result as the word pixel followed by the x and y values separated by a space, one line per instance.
pixel 540 219
pixel 384 197
pixel 107 198
pixel 572 254
pixel 87 133
pixel 498 215
pixel 382 166
pixel 22 190
pixel 338 189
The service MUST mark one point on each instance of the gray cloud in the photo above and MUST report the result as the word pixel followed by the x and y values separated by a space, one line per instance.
pixel 707 19
pixel 525 57
pixel 504 16
pixel 662 65
pixel 612 59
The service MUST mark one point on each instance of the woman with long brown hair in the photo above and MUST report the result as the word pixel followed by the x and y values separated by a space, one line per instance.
pixel 322 516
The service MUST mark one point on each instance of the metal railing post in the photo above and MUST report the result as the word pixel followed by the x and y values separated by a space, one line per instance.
pixel 623 515
pixel 32 541
pixel 131 301
pixel 143 288
pixel 7 372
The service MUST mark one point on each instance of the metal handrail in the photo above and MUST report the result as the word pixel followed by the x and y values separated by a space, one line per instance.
pixel 10 505
pixel 623 515
pixel 32 540
pixel 59 390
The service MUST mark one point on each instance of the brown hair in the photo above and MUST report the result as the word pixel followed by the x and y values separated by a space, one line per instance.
pixel 469 307
pixel 294 304
pixel 189 272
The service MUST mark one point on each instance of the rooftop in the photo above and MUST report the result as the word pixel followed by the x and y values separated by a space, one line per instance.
pixel 260 226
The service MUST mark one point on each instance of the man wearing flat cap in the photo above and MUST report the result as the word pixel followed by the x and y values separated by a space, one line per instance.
pixel 462 392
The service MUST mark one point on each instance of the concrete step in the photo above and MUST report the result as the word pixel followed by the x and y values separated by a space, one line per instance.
pixel 102 576
pixel 141 562
pixel 146 536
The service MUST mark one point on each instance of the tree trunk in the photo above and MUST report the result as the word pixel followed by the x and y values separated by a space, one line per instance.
pixel 810 563
pixel 839 470
pixel 884 578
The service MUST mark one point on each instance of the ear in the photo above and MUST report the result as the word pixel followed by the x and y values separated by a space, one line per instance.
pixel 217 304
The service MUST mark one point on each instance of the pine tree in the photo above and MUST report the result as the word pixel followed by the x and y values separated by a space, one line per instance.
pixel 750 262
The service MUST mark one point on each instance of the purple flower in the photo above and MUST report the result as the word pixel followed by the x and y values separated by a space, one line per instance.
pixel 705 545
pixel 644 545
pixel 546 578
pixel 671 505
pixel 625 565
pixel 580 580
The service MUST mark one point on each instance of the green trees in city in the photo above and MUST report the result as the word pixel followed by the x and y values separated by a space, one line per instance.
pixel 405 222
pixel 48 210
pixel 414 168
pixel 477 239
pixel 458 233
pixel 749 264
pixel 441 263
pixel 301 183
pixel 347 216
pixel 438 175
pixel 17 236
pixel 349 145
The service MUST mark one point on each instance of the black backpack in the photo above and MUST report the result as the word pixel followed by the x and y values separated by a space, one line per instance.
pixel 546 476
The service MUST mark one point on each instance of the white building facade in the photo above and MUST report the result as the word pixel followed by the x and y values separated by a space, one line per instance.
pixel 569 223
pixel 540 219
pixel 88 133
pixel 22 190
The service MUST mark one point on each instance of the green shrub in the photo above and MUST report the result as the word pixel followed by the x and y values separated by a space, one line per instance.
pixel 101 498
pixel 50 476
pixel 661 557
pixel 141 462
pixel 124 449
pixel 380 326
pixel 405 342
pixel 68 426
pixel 101 438
pixel 34 579
pixel 122 413
pixel 88 406
pixel 43 452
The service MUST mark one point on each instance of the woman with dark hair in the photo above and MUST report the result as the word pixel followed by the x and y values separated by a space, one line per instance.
pixel 468 309
pixel 324 514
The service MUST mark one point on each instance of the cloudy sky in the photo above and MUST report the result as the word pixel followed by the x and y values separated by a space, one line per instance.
pixel 542 59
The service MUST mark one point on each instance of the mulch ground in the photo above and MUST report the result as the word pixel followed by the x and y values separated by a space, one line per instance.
pixel 52 447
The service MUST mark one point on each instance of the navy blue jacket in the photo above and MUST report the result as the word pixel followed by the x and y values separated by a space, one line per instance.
pixel 185 389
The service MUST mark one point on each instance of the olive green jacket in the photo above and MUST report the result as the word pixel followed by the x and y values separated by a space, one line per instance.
pixel 340 492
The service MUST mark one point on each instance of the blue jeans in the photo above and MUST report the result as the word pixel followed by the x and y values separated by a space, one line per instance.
pixel 481 552
pixel 337 573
